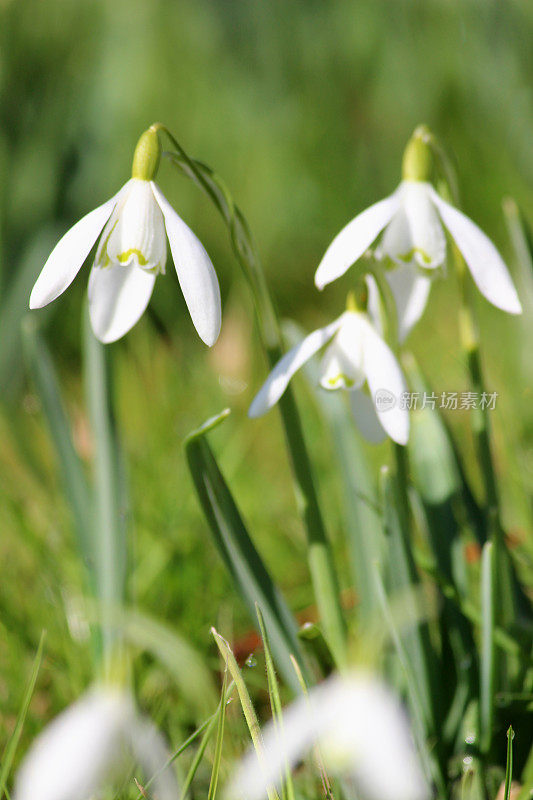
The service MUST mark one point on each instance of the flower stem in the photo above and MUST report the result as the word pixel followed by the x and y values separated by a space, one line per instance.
pixel 321 564
pixel 108 530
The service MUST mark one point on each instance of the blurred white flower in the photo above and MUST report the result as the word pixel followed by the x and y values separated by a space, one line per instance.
pixel 356 354
pixel 132 251
pixel 413 219
pixel 94 742
pixel 362 733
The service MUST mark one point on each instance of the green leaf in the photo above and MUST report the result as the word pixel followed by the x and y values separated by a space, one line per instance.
pixel 77 491
pixel 275 702
pixel 251 578
pixel 419 662
pixel 221 716
pixel 509 764
pixel 12 744
pixel 246 702
pixel 487 657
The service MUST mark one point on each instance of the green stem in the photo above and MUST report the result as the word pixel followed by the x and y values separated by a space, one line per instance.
pixel 321 565
pixel 109 535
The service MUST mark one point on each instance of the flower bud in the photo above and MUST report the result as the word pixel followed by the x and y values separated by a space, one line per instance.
pixel 417 158
pixel 146 156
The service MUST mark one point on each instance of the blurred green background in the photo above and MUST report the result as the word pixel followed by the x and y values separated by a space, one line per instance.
pixel 304 108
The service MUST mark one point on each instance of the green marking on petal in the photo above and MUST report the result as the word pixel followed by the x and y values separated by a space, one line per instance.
pixel 341 378
pixel 406 257
pixel 105 261
pixel 133 251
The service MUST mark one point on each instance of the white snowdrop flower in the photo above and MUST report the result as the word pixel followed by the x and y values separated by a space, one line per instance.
pixel 134 226
pixel 94 743
pixel 362 732
pixel 355 355
pixel 413 221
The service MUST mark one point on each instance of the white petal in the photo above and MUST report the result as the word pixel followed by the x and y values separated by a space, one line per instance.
pixel 426 234
pixel 374 305
pixel 364 413
pixel 150 751
pixel 118 297
pixel 411 291
pixel 354 239
pixel 77 753
pixel 136 230
pixel 386 384
pixel 485 263
pixel 196 273
pixel 342 363
pixel 362 732
pixel 67 257
pixel 278 380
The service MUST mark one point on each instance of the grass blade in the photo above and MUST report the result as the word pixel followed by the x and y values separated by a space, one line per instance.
pixel 221 716
pixel 487 659
pixel 246 702
pixel 77 492
pixel 509 764
pixel 11 747
pixel 287 787
pixel 238 552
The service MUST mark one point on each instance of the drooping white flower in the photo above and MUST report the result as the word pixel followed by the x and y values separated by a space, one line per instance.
pixel 413 220
pixel 134 226
pixel 94 743
pixel 362 733
pixel 355 354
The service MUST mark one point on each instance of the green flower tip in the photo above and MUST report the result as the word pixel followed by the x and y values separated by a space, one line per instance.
pixel 147 155
pixel 417 158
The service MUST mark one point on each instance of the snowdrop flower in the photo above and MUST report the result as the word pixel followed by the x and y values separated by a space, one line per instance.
pixel 413 220
pixel 355 354
pixel 361 731
pixel 91 744
pixel 134 225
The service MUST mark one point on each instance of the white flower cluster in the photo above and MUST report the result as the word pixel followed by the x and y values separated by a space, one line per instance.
pixel 407 232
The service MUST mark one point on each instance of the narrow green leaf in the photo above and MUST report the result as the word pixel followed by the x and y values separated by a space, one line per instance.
pixel 12 744
pixel 208 732
pixel 77 491
pixel 246 702
pixel 509 764
pixel 238 552
pixel 221 716
pixel 487 656
pixel 275 701
pixel 403 581
pixel 14 307
pixel 417 701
